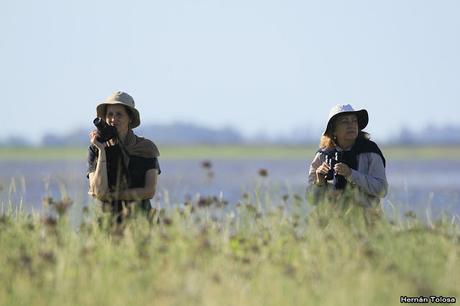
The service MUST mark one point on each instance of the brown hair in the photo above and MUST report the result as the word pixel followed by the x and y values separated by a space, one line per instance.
pixel 327 140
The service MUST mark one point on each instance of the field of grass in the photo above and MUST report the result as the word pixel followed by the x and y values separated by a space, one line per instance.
pixel 192 256
pixel 233 152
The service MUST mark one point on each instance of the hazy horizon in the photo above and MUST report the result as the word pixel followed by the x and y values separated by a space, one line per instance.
pixel 258 66
pixel 191 133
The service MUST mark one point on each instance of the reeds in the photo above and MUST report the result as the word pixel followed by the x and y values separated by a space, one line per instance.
pixel 200 253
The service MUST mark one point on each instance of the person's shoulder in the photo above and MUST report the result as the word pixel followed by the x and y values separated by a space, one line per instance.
pixel 368 155
pixel 366 142
pixel 373 153
pixel 373 143
pixel 150 145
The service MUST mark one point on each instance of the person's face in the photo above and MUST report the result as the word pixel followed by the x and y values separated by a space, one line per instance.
pixel 346 127
pixel 117 116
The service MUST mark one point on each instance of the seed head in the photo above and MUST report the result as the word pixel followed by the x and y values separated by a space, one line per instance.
pixel 263 172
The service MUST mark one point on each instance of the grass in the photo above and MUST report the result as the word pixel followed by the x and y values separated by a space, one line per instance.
pixel 194 254
pixel 232 152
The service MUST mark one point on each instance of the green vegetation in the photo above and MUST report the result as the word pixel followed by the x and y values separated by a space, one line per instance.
pixel 233 152
pixel 198 255
pixel 43 153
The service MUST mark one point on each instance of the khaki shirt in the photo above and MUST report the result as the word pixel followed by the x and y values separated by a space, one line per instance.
pixel 368 183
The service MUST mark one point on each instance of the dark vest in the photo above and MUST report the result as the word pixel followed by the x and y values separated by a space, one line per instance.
pixel 350 158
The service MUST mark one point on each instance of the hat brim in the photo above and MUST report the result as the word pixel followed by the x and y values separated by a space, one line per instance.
pixel 363 119
pixel 135 122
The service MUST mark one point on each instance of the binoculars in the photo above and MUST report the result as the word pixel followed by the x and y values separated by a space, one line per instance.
pixel 338 181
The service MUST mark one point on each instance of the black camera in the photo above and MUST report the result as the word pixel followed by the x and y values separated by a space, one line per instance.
pixel 106 132
pixel 332 159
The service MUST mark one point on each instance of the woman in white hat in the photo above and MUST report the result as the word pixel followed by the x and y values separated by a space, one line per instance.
pixel 123 170
pixel 348 160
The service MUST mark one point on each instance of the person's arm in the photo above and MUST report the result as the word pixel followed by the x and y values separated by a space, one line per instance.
pixel 317 184
pixel 318 170
pixel 98 180
pixel 374 182
pixel 144 193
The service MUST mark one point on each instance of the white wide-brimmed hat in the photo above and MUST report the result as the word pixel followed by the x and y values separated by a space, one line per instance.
pixel 121 98
pixel 339 109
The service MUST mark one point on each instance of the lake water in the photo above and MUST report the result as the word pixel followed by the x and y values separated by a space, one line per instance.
pixel 414 185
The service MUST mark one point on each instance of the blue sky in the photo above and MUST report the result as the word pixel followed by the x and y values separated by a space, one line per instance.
pixel 259 66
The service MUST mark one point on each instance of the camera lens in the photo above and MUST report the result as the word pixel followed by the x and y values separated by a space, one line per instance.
pixel 99 123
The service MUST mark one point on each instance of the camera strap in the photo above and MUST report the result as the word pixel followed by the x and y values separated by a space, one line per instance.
pixel 124 160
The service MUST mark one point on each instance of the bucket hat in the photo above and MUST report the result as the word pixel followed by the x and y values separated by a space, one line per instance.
pixel 339 109
pixel 120 98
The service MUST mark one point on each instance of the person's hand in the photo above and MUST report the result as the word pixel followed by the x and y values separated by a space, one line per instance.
pixel 93 137
pixel 321 172
pixel 342 169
